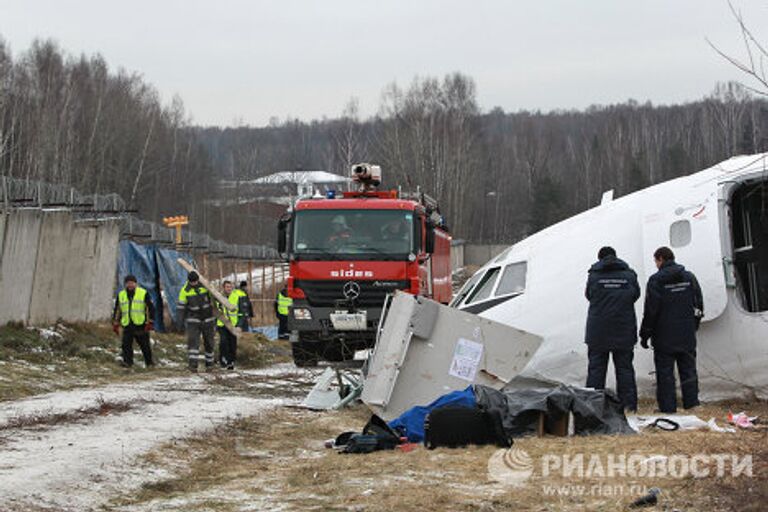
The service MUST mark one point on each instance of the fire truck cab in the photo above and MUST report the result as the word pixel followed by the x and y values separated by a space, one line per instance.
pixel 347 252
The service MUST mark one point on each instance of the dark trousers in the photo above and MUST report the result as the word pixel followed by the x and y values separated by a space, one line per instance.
pixel 227 347
pixel 666 395
pixel 625 374
pixel 242 323
pixel 136 332
pixel 196 329
pixel 282 327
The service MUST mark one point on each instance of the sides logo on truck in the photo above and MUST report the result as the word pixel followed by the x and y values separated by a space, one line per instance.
pixel 351 273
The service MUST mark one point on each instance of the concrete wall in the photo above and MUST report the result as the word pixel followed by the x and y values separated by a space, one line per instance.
pixel 54 268
pixel 480 254
pixel 102 293
pixel 17 268
pixel 2 235
pixel 457 255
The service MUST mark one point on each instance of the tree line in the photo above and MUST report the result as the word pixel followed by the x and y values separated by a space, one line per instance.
pixel 73 121
pixel 498 175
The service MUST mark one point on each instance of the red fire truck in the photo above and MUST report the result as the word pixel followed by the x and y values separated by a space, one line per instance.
pixel 346 252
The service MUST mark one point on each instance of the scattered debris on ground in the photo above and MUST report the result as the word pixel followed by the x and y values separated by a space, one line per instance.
pixel 162 439
pixel 279 462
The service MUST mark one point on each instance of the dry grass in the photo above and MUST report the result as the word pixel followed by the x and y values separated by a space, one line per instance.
pixel 34 361
pixel 278 461
pixel 102 408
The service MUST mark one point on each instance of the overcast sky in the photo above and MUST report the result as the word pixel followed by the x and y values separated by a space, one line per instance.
pixel 244 61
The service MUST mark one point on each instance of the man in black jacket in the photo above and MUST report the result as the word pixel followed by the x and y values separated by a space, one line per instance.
pixel 673 308
pixel 612 290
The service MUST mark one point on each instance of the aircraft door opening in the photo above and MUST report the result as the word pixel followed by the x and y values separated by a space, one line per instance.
pixel 749 224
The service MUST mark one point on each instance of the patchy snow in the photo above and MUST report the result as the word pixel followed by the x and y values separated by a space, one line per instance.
pixel 80 465
pixel 302 177
pixel 271 276
pixel 46 334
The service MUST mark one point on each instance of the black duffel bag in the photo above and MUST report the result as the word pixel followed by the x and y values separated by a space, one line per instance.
pixel 452 427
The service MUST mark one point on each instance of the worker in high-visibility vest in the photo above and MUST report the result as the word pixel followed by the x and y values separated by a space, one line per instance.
pixel 227 339
pixel 196 311
pixel 134 312
pixel 282 304
pixel 244 307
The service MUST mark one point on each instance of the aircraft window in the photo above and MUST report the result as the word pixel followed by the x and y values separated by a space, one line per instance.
pixel 680 233
pixel 483 289
pixel 513 279
pixel 466 289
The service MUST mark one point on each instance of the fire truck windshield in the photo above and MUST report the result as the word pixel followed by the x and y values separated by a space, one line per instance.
pixel 364 234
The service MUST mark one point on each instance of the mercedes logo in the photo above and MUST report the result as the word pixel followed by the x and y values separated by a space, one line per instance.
pixel 351 290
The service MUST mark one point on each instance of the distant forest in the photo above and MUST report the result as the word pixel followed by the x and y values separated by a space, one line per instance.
pixel 499 176
pixel 73 121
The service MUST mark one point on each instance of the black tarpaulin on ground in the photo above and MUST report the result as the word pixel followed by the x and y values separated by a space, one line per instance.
pixel 594 411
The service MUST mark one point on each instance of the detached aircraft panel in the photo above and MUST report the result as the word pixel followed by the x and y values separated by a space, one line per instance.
pixel 426 349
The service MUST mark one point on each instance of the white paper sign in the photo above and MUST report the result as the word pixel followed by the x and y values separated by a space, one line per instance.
pixel 466 358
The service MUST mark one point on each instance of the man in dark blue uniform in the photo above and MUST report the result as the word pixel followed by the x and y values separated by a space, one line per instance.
pixel 673 308
pixel 612 290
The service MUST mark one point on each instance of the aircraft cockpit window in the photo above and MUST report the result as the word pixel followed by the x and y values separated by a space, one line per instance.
pixel 459 297
pixel 484 287
pixel 680 233
pixel 513 279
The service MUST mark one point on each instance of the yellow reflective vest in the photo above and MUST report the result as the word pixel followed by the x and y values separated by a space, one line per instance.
pixel 283 303
pixel 133 310
pixel 234 299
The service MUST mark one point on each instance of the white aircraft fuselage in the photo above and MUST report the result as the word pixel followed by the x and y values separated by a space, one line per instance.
pixel 717 228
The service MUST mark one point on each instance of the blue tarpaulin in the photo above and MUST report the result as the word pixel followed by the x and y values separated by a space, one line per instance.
pixel 139 260
pixel 411 422
pixel 172 277
pixel 270 331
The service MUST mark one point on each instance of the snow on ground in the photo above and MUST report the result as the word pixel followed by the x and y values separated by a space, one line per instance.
pixel 271 277
pixel 80 465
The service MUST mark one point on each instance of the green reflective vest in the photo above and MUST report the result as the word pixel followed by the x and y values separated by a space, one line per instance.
pixel 234 299
pixel 135 310
pixel 196 303
pixel 283 303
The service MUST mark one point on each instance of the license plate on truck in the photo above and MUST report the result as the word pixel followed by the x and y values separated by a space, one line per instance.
pixel 343 321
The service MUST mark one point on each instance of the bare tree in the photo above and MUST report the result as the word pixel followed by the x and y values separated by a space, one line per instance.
pixel 756 55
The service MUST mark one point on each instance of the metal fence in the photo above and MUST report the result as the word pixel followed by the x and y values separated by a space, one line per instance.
pixel 19 193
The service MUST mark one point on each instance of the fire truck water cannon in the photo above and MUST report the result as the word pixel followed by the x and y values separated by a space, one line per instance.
pixel 367 175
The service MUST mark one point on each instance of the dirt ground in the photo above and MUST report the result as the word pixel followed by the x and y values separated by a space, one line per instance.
pixel 278 462
pixel 63 356
pixel 78 434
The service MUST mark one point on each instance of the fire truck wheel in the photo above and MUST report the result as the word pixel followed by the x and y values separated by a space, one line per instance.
pixel 304 354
